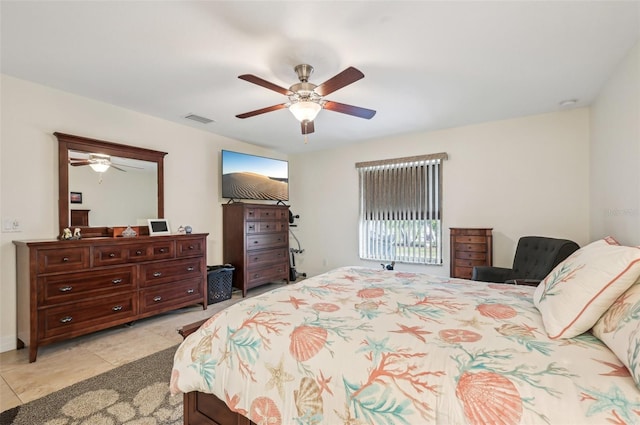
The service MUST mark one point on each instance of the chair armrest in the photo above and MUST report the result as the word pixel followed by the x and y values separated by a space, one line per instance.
pixel 490 274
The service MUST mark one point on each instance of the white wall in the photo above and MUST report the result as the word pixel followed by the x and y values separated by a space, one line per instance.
pixel 29 170
pixel 524 176
pixel 615 154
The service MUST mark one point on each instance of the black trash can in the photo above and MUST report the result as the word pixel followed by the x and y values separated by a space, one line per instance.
pixel 219 283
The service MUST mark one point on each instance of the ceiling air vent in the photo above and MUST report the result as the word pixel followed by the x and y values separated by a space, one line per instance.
pixel 199 118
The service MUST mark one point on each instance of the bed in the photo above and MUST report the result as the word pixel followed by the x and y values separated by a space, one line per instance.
pixel 366 346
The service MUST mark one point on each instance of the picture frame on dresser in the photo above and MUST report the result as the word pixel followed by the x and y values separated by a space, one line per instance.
pixel 158 226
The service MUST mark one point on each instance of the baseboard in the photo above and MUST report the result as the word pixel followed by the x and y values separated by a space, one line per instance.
pixel 8 343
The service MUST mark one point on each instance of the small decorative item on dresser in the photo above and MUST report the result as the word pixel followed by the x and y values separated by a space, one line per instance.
pixel 181 230
pixel 129 233
pixel 66 234
pixel 76 233
pixel 188 229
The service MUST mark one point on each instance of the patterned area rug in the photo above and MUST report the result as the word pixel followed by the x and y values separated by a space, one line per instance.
pixel 136 394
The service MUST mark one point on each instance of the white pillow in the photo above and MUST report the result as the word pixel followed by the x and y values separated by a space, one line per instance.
pixel 581 288
pixel 619 329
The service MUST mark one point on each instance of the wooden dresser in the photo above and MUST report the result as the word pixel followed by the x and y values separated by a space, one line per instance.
pixel 255 240
pixel 470 247
pixel 71 288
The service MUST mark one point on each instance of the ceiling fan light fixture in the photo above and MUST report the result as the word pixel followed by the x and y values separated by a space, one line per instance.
pixel 305 110
pixel 99 167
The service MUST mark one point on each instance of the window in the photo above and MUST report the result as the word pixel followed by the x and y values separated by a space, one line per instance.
pixel 401 209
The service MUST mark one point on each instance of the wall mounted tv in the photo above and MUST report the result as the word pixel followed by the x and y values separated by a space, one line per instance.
pixel 246 176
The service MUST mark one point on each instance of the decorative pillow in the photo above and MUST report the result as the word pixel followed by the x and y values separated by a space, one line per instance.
pixel 619 329
pixel 581 288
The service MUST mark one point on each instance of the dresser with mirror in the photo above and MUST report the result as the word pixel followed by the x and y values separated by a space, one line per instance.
pixel 68 288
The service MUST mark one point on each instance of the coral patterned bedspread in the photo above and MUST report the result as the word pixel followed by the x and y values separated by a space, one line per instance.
pixel 363 346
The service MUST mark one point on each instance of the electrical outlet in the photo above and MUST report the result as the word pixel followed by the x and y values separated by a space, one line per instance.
pixel 10 225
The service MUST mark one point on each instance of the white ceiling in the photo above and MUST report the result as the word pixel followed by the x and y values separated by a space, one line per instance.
pixel 428 65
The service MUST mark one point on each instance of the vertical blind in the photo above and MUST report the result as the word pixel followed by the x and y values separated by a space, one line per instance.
pixel 401 209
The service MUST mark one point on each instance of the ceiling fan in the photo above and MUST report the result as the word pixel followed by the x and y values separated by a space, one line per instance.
pixel 307 99
pixel 98 162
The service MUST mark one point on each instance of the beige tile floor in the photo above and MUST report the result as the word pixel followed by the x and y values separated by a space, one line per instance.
pixel 65 363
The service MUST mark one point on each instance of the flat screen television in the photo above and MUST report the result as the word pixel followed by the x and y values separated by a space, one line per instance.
pixel 246 176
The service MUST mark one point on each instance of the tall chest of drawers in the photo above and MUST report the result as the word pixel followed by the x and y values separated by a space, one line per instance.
pixel 470 247
pixel 256 242
pixel 71 288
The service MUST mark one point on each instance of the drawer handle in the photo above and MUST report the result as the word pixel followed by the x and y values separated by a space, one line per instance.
pixel 190 268
pixel 157 274
pixel 112 255
pixel 138 252
pixel 65 288
pixel 256 258
pixel 66 319
pixel 157 298
pixel 190 291
pixel 116 308
pixel 192 247
pixel 255 242
pixel 250 212
pixel 256 275
pixel 266 227
pixel 65 259
pixel 162 250
pixel 252 227
pixel 116 281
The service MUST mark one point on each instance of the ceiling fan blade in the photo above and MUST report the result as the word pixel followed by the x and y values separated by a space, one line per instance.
pixel 356 111
pixel 346 77
pixel 117 168
pixel 262 111
pixel 307 127
pixel 125 165
pixel 80 162
pixel 264 83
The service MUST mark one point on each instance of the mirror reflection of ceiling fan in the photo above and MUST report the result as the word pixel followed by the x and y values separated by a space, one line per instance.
pixel 307 99
pixel 99 163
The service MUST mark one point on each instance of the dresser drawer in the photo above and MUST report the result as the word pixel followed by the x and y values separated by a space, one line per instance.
pixel 264 214
pixel 63 259
pixel 463 272
pixel 267 274
pixel 470 239
pixel 472 255
pixel 115 254
pixel 469 263
pixel 106 255
pixel 257 259
pixel 77 317
pixel 265 226
pixel 168 271
pixel 61 288
pixel 267 241
pixel 471 247
pixel 171 294
pixel 190 247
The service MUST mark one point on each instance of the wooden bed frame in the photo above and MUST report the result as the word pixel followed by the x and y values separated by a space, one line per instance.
pixel 207 409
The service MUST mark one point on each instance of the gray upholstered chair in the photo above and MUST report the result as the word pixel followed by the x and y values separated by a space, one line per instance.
pixel 535 257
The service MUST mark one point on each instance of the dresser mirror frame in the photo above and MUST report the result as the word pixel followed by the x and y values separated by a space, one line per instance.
pixel 68 142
